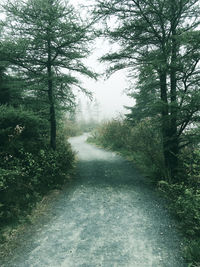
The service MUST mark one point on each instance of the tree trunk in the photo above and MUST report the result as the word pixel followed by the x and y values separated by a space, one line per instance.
pixel 51 101
pixel 165 118
pixel 173 107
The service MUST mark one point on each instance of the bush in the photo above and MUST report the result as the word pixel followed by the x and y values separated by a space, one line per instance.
pixel 189 168
pixel 192 253
pixel 184 203
pixel 28 177
pixel 142 144
pixel 28 167
pixel 112 134
pixel 20 128
pixel 70 128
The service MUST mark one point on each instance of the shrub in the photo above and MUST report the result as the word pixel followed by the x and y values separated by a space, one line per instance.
pixel 141 143
pixel 185 203
pixel 70 128
pixel 28 177
pixel 28 167
pixel 189 168
pixel 192 253
pixel 112 134
pixel 20 128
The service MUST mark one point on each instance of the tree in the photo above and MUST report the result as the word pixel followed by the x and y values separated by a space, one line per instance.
pixel 50 38
pixel 96 110
pixel 160 36
pixel 10 85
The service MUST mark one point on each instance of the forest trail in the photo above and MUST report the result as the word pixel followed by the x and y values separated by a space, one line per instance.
pixel 108 218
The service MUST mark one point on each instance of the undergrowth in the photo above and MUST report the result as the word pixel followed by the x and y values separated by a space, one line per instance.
pixel 29 169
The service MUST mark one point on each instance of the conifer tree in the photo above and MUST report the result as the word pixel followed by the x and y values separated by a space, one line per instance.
pixel 161 37
pixel 52 41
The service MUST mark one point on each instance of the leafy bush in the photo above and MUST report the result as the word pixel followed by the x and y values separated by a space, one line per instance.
pixel 186 205
pixel 20 128
pixel 141 143
pixel 189 168
pixel 73 128
pixel 29 176
pixel 70 128
pixel 28 167
pixel 192 253
pixel 112 134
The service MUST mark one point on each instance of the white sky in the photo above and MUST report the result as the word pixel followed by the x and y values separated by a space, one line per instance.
pixel 109 93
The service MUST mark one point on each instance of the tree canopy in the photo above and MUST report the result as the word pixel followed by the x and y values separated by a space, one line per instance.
pixel 159 40
pixel 50 43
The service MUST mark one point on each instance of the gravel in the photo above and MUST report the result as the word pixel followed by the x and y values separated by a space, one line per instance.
pixel 108 217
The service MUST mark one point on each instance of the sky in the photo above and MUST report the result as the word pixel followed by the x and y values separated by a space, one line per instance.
pixel 109 93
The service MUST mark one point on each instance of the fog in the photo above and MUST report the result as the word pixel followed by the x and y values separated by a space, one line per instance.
pixel 109 93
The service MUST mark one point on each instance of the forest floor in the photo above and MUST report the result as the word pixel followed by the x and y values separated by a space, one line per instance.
pixel 108 217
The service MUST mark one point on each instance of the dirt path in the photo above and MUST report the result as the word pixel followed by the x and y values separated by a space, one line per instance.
pixel 108 218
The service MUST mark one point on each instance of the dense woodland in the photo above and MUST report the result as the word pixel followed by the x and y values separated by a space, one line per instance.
pixel 42 47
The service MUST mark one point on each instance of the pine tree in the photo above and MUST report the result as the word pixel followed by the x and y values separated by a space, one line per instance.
pixel 50 38
pixel 161 36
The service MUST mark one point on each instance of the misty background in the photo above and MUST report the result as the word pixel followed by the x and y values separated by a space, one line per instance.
pixel 110 94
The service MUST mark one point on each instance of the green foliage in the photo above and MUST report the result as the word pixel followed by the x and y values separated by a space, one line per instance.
pixel 142 144
pixel 71 128
pixel 29 169
pixel 87 126
pixel 20 128
pixel 192 253
pixel 111 134
pixel 184 203
pixel 190 166
pixel 29 176
pixel 49 37
pixel 184 200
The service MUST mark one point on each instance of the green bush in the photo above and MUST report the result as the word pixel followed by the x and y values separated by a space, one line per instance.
pixel 20 128
pixel 28 177
pixel 192 253
pixel 189 168
pixel 142 144
pixel 184 203
pixel 70 128
pixel 28 167
pixel 17 194
pixel 112 134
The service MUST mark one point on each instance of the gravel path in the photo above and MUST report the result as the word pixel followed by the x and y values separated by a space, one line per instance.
pixel 108 218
